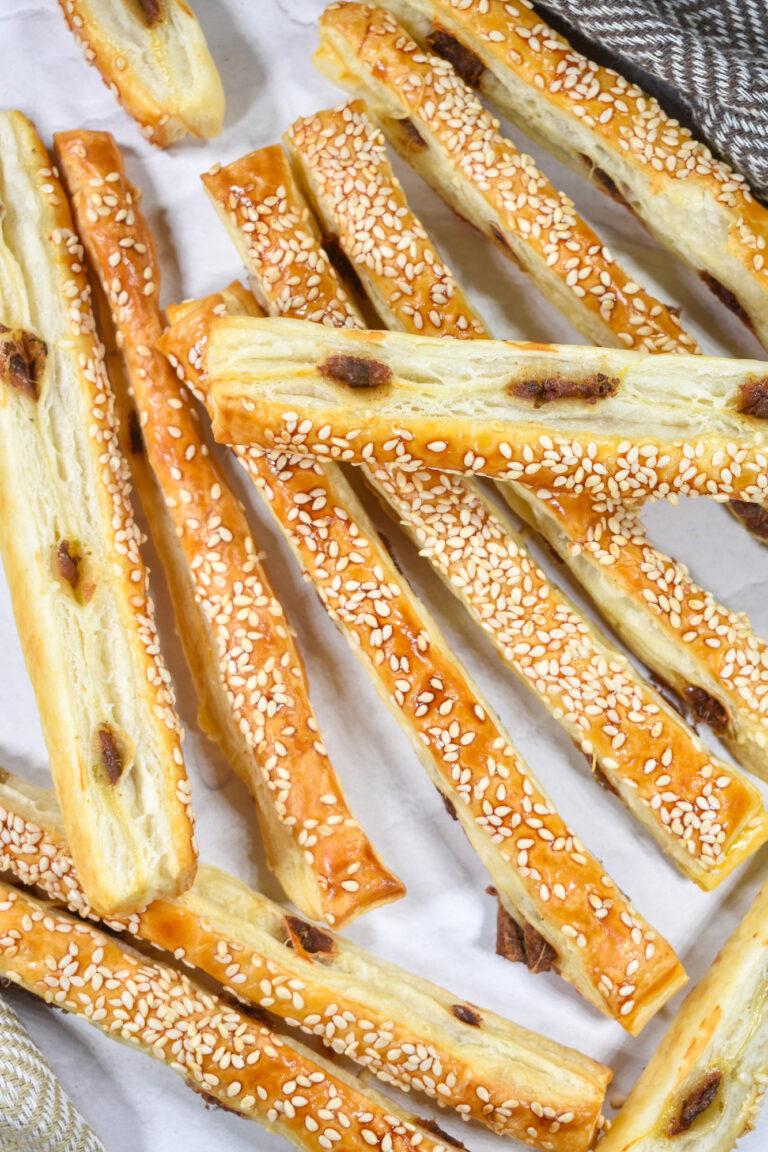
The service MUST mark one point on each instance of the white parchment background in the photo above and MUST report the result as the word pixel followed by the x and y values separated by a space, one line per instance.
pixel 445 928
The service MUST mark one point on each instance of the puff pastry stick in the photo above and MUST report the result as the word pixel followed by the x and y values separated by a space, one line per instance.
pixel 611 132
pixel 705 651
pixel 153 57
pixel 548 884
pixel 238 643
pixel 704 1086
pixel 661 425
pixel 628 731
pixel 221 1052
pixel 516 1082
pixel 70 549
pixel 441 128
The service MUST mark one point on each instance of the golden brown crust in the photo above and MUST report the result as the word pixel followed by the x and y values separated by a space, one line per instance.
pixel 625 729
pixel 486 179
pixel 708 653
pixel 615 134
pixel 538 865
pixel 265 721
pixel 273 229
pixel 342 164
pixel 91 646
pixel 153 57
pixel 219 1050
pixel 360 1006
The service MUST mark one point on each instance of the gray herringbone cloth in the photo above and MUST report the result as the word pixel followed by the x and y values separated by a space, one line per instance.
pixel 713 54
pixel 36 1115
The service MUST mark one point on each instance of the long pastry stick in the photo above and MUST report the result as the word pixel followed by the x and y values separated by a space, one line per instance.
pixel 611 132
pixel 71 556
pixel 708 653
pixel 704 1086
pixel 458 738
pixel 440 127
pixel 153 57
pixel 219 1050
pixel 560 419
pixel 632 736
pixel 239 645
pixel 475 1062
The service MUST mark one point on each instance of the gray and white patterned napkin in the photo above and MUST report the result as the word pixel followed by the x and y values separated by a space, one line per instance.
pixel 36 1115
pixel 712 55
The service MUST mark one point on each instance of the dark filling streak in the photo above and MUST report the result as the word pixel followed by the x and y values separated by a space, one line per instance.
pixel 697 1102
pixel 669 695
pixel 110 754
pixel 604 181
pixel 151 12
pixel 754 517
pixel 707 709
pixel 433 1127
pixel 135 434
pixel 22 360
pixel 523 945
pixel 590 389
pixel 466 1015
pixel 309 938
pixel 410 134
pixel 725 296
pixel 68 564
pixel 449 805
pixel 341 262
pixel 500 239
pixel 213 1102
pixel 356 371
pixel 466 62
pixel 753 398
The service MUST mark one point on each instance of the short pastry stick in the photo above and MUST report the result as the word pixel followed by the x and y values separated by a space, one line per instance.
pixel 70 550
pixel 244 1066
pixel 153 56
pixel 239 645
pixel 708 653
pixel 611 132
pixel 638 744
pixel 514 1081
pixel 705 1084
pixel 460 741
pixel 440 127
pixel 558 418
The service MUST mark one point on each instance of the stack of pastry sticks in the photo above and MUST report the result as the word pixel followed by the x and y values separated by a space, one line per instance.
pixel 576 438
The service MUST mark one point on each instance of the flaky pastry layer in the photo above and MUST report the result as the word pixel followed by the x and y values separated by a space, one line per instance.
pixel 153 57
pixel 70 549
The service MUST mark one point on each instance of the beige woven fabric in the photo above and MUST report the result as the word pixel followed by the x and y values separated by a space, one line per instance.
pixel 36 1115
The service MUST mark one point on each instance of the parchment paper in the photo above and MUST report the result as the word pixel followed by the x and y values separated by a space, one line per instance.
pixel 445 928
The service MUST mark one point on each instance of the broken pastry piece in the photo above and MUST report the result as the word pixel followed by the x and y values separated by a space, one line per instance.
pixel 487 1069
pixel 70 548
pixel 153 56
pixel 704 1086
pixel 239 645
